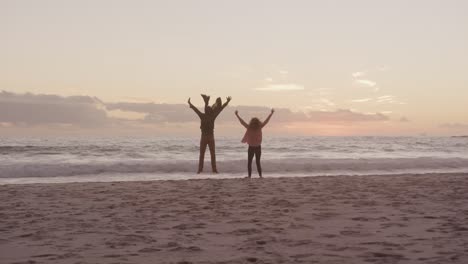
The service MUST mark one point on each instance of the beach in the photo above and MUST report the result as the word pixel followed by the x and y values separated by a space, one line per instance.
pixel 338 219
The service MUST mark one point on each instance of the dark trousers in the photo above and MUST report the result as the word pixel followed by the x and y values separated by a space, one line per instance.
pixel 257 151
pixel 207 140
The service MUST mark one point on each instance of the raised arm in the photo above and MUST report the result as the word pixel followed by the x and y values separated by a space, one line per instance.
pixel 241 120
pixel 228 99
pixel 268 118
pixel 200 114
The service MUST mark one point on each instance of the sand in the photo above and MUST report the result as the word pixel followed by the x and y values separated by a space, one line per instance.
pixel 358 219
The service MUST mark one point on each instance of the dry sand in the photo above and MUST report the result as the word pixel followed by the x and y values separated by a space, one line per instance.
pixel 365 219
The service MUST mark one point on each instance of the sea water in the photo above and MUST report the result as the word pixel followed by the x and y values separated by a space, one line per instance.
pixel 83 159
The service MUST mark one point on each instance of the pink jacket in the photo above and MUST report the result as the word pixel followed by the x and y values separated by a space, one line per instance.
pixel 253 137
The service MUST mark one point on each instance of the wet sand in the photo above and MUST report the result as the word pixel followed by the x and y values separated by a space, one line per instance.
pixel 349 219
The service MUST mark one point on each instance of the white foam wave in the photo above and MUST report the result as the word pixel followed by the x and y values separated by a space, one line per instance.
pixel 279 166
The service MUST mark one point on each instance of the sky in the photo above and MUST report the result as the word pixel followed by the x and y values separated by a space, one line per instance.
pixel 361 67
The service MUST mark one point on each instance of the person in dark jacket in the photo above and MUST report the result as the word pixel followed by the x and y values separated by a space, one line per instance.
pixel 207 121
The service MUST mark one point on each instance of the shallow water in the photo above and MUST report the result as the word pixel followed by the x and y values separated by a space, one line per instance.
pixel 122 158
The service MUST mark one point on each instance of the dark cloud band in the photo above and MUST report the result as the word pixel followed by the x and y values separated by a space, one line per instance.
pixel 86 111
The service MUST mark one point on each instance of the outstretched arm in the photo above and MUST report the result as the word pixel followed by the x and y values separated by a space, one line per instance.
pixel 228 99
pixel 200 114
pixel 241 120
pixel 268 118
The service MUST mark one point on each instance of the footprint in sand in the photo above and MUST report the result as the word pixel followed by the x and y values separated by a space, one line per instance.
pixel 149 250
pixel 245 231
pixel 252 259
pixel 301 256
pixel 45 256
pixel 385 257
pixel 189 226
pixel 327 235
pixel 304 242
pixel 387 225
pixel 388 245
pixel 353 233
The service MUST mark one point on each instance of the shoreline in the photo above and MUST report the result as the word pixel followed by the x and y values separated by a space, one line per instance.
pixel 333 219
pixel 140 178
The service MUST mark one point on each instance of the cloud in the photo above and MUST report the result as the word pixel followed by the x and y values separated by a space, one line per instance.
pixel 367 83
pixel 358 74
pixel 22 110
pixel 180 113
pixel 281 87
pixel 327 102
pixel 287 116
pixel 454 126
pixel 385 99
pixel 363 100
pixel 365 72
pixel 281 114
pixel 404 119
pixel 359 80
pixel 344 115
pixel 364 82
pixel 319 102
pixel 323 91
pixel 156 113
pixel 37 109
pixel 136 99
pixel 388 99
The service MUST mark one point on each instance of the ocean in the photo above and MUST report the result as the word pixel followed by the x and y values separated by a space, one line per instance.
pixel 83 159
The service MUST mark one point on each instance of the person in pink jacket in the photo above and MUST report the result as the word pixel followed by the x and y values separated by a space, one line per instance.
pixel 253 137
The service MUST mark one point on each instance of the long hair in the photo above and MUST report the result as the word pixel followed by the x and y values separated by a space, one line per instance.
pixel 218 103
pixel 255 123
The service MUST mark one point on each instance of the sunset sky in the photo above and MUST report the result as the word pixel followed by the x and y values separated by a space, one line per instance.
pixel 361 67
